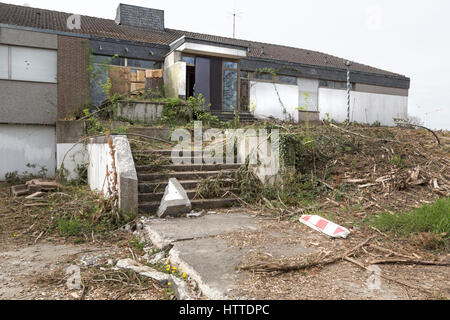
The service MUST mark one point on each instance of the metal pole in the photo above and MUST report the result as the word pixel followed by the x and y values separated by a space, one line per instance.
pixel 348 64
pixel 234 25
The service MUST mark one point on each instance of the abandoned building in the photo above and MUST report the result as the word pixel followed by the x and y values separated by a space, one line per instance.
pixel 44 59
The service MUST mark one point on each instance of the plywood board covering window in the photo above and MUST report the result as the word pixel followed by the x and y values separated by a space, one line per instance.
pixel 31 64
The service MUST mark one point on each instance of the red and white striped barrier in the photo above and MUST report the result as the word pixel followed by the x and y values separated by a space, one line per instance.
pixel 323 225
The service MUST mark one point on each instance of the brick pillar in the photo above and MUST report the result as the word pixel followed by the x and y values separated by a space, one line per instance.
pixel 73 77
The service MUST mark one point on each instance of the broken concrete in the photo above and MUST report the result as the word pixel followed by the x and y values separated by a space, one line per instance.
pixel 175 201
pixel 162 278
pixel 210 263
pixel 100 160
pixel 162 233
pixel 165 280
pixel 200 248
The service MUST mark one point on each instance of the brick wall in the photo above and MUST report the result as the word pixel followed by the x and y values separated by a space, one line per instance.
pixel 140 17
pixel 73 78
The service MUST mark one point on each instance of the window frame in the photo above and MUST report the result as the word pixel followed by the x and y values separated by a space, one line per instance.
pixel 238 71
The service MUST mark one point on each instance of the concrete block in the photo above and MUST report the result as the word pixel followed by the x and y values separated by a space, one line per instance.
pixel 128 181
pixel 310 116
pixel 175 201
pixel 162 278
pixel 146 112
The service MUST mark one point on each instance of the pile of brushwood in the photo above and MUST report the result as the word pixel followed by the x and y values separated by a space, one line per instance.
pixel 75 214
pixel 361 169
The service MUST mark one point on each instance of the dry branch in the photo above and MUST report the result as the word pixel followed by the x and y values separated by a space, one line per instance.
pixel 409 262
pixel 280 268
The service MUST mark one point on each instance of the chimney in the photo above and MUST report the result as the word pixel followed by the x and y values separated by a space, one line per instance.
pixel 140 17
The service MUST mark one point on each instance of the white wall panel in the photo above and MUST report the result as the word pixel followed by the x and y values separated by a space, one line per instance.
pixel 333 104
pixel 364 107
pixel 31 64
pixel 371 107
pixel 3 62
pixel 263 95
pixel 73 155
pixel 309 94
pixel 23 144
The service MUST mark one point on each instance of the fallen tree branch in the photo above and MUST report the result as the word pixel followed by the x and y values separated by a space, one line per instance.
pixel 280 268
pixel 363 136
pixel 410 261
pixel 403 123
pixel 390 252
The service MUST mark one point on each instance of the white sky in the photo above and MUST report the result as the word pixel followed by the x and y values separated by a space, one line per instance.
pixel 410 37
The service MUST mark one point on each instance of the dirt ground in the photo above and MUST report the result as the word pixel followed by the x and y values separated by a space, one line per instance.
pixel 34 259
pixel 338 281
pixel 38 271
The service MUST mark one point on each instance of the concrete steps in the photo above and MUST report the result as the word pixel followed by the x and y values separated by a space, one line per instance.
pixel 153 181
pixel 227 116
pixel 204 204
pixel 187 167
pixel 189 175
pixel 187 185
pixel 157 196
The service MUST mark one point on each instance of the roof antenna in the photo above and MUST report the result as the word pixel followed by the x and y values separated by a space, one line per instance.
pixel 234 13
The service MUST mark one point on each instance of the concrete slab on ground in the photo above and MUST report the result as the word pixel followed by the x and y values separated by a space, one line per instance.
pixel 164 232
pixel 199 247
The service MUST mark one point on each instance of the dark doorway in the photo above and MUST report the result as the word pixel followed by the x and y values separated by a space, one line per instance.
pixel 190 81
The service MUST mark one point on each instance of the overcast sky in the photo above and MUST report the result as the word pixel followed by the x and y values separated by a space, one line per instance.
pixel 409 37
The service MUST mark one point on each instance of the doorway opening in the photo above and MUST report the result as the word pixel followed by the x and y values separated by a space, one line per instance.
pixel 190 81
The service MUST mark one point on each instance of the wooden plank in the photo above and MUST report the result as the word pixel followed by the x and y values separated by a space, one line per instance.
pixel 140 76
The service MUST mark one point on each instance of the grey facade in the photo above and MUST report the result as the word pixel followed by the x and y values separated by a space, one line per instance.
pixel 28 102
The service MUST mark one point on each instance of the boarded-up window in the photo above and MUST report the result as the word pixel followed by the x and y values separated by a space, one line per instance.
pixel 30 64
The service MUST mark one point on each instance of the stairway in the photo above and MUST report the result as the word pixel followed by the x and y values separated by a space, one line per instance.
pixel 223 116
pixel 153 181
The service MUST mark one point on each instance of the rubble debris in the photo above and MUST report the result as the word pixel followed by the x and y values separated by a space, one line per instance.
pixel 34 188
pixel 19 190
pixel 157 257
pixel 35 195
pixel 325 226
pixel 194 214
pixel 164 280
pixel 175 201
pixel 180 288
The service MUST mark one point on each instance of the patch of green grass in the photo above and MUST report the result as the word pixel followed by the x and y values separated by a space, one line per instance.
pixel 136 243
pixel 398 161
pixel 434 219
pixel 71 227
